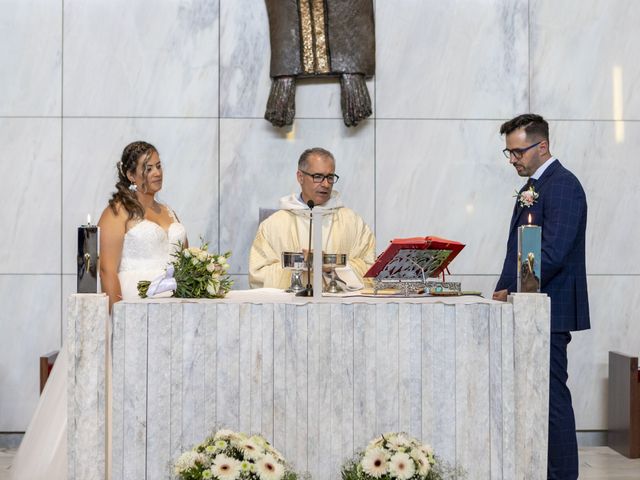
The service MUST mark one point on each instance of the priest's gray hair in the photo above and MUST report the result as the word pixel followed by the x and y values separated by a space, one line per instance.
pixel 303 161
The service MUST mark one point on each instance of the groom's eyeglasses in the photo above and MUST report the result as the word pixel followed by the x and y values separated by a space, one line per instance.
pixel 319 178
pixel 518 152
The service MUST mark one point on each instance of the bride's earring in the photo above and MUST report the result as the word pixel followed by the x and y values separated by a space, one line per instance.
pixel 133 187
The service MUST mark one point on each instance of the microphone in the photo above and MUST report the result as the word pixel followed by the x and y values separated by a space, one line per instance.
pixel 308 292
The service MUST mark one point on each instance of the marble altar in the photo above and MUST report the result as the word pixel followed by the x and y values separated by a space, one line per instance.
pixel 319 379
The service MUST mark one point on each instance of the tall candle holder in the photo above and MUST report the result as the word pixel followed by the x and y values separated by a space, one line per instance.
pixel 529 257
pixel 88 258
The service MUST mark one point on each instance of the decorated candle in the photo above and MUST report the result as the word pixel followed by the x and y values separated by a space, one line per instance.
pixel 529 257
pixel 88 257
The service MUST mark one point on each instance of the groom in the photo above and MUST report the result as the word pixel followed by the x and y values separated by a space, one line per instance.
pixel 560 208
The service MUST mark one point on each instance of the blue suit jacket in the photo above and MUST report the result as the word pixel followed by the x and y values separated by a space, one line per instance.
pixel 561 211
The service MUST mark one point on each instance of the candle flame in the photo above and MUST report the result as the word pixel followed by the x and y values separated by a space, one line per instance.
pixel 529 219
pixel 89 219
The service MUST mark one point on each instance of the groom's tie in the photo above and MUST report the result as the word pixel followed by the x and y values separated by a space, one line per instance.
pixel 530 183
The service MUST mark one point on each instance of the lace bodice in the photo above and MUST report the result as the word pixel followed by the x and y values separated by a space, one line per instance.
pixel 147 246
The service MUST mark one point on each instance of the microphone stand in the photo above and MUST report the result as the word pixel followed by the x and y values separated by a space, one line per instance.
pixel 308 292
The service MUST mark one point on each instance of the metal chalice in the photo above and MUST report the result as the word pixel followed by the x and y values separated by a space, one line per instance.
pixel 295 262
pixel 331 261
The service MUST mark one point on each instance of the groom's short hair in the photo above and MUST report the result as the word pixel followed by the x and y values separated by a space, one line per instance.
pixel 303 161
pixel 534 126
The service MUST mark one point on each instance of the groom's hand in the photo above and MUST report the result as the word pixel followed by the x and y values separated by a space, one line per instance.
pixel 500 295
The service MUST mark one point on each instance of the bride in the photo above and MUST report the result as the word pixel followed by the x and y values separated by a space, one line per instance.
pixel 138 234
pixel 137 237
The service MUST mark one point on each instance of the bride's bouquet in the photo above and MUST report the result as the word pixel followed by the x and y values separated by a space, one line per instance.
pixel 194 273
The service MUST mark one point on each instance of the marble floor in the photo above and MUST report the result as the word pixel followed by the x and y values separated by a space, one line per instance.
pixel 596 463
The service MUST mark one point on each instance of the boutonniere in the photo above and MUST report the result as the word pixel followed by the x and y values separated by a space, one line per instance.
pixel 527 197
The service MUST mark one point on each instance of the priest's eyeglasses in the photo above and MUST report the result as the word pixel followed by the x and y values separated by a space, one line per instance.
pixel 319 178
pixel 519 152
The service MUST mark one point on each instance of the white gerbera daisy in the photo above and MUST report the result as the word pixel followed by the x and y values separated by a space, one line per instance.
pixel 374 462
pixel 399 442
pixel 401 466
pixel 226 468
pixel 251 449
pixel 422 461
pixel 268 468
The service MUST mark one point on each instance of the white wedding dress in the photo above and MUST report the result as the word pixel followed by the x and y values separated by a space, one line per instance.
pixel 42 454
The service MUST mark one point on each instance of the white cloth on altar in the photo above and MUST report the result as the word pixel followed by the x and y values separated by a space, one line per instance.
pixel 42 455
pixel 287 230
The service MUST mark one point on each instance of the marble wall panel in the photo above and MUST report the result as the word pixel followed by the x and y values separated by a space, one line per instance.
pixel 584 59
pixel 613 302
pixel 31 53
pixel 258 166
pixel 244 68
pixel 456 59
pixel 30 195
pixel 603 155
pixel 188 150
pixel 30 326
pixel 141 58
pixel 454 183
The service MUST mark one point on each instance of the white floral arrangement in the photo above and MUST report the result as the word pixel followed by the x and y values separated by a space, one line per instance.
pixel 229 455
pixel 527 197
pixel 194 273
pixel 397 456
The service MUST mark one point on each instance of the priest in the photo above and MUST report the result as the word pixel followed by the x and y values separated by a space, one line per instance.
pixel 287 230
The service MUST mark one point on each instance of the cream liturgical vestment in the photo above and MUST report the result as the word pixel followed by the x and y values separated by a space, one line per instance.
pixel 287 230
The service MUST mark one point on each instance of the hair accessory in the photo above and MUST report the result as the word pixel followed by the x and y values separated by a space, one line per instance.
pixel 133 187
pixel 120 168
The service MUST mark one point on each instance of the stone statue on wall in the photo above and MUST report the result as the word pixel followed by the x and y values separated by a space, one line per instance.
pixel 316 38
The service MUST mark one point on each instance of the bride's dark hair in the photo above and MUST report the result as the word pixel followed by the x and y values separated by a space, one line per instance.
pixel 128 163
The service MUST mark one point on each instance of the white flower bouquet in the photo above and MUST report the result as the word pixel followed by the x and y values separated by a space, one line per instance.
pixel 194 273
pixel 397 456
pixel 229 455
